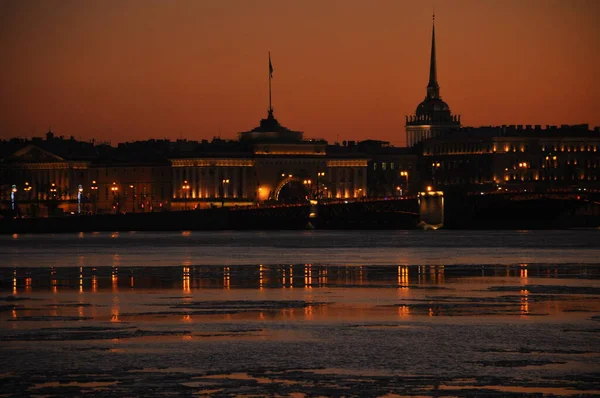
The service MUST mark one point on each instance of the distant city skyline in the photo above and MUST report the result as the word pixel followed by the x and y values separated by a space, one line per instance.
pixel 343 70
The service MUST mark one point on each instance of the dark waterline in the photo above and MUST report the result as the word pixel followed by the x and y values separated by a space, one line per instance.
pixel 294 247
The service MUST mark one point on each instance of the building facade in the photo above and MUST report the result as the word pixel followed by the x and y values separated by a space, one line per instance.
pixel 267 165
pixel 515 158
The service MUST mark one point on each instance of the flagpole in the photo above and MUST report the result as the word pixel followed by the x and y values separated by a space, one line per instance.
pixel 270 107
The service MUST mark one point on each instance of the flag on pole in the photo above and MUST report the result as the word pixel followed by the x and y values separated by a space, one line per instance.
pixel 270 67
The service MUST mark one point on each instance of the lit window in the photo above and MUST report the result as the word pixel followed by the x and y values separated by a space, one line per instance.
pixel 383 166
pixel 374 165
pixel 392 166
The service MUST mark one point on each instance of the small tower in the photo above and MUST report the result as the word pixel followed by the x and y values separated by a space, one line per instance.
pixel 433 116
pixel 269 128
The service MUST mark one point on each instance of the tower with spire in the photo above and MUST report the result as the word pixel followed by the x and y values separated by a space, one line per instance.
pixel 432 117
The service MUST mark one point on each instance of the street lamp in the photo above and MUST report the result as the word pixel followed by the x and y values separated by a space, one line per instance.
pixel 405 175
pixel 308 184
pixel 79 193
pixel 223 182
pixel 13 193
pixel 133 196
pixel 115 191
pixel 28 190
pixel 319 175
pixel 94 189
pixel 186 188
pixel 53 191
pixel 434 168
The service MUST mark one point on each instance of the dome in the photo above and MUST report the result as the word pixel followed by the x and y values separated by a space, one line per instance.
pixel 271 130
pixel 432 105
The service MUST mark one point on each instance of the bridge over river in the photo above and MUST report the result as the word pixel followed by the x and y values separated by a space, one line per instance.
pixel 428 210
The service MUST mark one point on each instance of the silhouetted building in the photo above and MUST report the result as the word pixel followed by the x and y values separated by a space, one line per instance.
pixel 514 158
pixel 57 175
pixel 268 165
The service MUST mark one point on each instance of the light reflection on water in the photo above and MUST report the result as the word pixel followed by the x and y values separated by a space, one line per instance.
pixel 325 291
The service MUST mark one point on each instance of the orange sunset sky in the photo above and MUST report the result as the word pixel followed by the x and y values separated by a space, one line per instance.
pixel 128 70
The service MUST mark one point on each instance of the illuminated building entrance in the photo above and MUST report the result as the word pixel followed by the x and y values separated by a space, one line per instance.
pixel 291 190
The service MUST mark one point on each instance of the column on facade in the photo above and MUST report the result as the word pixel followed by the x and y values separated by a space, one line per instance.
pixel 184 177
pixel 233 181
pixel 243 182
pixel 355 184
pixel 339 188
pixel 204 182
pixel 346 181
pixel 56 181
pixel 61 183
pixel 332 181
pixel 43 183
pixel 197 182
pixel 59 187
pixel 216 182
pixel 226 187
pixel 174 179
pixel 242 177
pixel 238 180
pixel 48 176
pixel 39 189
pixel 364 182
pixel 210 181
pixel 65 184
pixel 193 183
pixel 336 182
pixel 340 182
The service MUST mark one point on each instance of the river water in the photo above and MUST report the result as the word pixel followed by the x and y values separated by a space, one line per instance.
pixel 301 313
